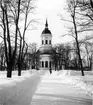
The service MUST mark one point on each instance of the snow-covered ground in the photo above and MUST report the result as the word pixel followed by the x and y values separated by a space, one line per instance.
pixel 12 89
pixel 20 90
pixel 82 82
pixel 59 89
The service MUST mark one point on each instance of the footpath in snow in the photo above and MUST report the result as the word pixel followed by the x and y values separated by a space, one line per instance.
pixel 18 90
pixel 56 90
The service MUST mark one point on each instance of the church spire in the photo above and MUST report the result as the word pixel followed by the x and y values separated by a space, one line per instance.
pixel 46 30
pixel 46 25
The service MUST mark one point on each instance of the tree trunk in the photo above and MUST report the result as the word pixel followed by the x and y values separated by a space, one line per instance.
pixel 19 71
pixel 77 43
pixel 19 68
pixel 80 60
pixel 55 67
pixel 9 71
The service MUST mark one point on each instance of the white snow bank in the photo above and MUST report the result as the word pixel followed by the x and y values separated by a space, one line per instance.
pixel 18 90
pixel 75 78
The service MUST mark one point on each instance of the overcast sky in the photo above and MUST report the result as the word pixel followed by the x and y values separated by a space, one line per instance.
pixel 49 9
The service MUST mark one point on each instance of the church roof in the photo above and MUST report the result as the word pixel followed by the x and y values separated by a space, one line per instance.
pixel 46 30
pixel 49 51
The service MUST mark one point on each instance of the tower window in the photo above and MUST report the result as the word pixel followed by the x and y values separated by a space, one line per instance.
pixel 49 41
pixel 42 42
pixel 42 63
pixel 46 41
pixel 46 63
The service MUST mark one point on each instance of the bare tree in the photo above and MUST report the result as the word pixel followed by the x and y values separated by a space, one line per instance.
pixel 88 53
pixel 60 56
pixel 2 58
pixel 74 29
pixel 26 10
pixel 86 8
pixel 34 56
pixel 55 57
pixel 6 18
pixel 11 13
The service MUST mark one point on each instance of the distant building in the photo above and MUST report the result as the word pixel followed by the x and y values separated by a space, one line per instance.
pixel 45 49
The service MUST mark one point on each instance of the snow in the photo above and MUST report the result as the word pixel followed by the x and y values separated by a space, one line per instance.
pixel 57 89
pixel 40 88
pixel 82 82
pixel 12 89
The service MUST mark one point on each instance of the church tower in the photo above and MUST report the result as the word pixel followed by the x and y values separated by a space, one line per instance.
pixel 46 38
pixel 45 49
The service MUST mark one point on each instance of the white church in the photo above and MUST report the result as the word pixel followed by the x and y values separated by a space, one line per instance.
pixel 45 49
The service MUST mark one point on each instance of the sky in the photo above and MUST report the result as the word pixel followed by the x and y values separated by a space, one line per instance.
pixel 49 9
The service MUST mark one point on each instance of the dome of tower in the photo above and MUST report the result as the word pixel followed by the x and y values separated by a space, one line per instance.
pixel 46 31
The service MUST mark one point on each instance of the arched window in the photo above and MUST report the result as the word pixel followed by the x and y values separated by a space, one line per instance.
pixel 42 63
pixel 50 64
pixel 42 42
pixel 46 63
pixel 49 41
pixel 46 41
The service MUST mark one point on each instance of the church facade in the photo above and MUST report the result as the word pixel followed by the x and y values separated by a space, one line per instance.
pixel 45 49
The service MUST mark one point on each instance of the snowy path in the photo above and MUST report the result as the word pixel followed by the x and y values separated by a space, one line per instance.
pixel 53 90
